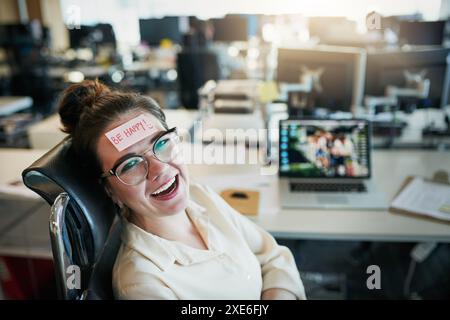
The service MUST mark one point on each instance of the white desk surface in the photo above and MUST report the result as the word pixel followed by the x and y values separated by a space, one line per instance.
pixel 29 237
pixel 391 168
pixel 157 64
pixel 9 105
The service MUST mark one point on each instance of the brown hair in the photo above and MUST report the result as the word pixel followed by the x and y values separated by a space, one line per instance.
pixel 87 108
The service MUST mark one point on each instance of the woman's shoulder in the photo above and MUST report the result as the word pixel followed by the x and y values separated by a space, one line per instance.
pixel 131 267
pixel 129 260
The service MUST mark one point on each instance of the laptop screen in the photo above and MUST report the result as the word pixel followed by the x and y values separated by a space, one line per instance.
pixel 324 148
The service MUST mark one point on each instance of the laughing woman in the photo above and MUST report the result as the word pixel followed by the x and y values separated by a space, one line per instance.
pixel 180 240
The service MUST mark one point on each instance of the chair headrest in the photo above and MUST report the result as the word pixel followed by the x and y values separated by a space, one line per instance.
pixel 59 171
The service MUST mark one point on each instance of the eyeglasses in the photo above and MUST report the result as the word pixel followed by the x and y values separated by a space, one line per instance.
pixel 133 169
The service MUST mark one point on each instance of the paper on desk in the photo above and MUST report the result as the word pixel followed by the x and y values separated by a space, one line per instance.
pixel 18 189
pixel 424 197
pixel 266 185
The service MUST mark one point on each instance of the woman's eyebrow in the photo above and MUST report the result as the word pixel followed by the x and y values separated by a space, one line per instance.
pixel 130 154
pixel 156 136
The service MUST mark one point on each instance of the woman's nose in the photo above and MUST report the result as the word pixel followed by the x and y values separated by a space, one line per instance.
pixel 155 168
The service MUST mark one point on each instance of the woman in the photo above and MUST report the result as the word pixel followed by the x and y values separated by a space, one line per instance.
pixel 180 240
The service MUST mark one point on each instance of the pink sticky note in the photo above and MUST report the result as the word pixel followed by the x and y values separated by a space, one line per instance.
pixel 131 132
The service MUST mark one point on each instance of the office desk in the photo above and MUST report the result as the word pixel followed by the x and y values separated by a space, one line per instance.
pixel 46 133
pixel 391 168
pixel 23 221
pixel 90 72
pixel 152 65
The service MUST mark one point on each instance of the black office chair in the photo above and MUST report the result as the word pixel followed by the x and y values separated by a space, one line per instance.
pixel 84 225
pixel 194 68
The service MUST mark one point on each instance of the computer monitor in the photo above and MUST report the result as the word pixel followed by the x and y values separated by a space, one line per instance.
pixel 324 148
pixel 106 34
pixel 231 28
pixel 339 71
pixel 387 68
pixel 421 32
pixel 3 35
pixel 154 30
pixel 87 35
pixel 80 37
pixel 20 34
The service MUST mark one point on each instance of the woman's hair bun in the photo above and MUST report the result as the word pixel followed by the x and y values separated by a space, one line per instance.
pixel 76 99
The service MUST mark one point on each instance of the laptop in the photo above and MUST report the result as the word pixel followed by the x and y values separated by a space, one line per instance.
pixel 327 164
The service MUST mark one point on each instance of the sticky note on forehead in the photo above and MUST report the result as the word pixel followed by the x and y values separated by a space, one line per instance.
pixel 131 132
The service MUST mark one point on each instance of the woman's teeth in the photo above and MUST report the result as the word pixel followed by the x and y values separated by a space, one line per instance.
pixel 164 187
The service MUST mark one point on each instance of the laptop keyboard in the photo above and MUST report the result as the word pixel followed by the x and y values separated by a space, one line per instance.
pixel 327 187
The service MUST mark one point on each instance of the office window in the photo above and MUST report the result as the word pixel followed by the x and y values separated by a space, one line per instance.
pixel 124 14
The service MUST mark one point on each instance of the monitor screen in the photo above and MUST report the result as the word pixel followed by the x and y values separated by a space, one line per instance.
pixel 336 85
pixel 421 32
pixel 390 68
pixel 81 37
pixel 324 148
pixel 154 30
pixel 230 28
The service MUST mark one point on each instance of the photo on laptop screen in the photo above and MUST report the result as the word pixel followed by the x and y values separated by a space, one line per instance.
pixel 324 148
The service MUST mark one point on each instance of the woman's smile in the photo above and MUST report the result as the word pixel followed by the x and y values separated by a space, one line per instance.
pixel 167 190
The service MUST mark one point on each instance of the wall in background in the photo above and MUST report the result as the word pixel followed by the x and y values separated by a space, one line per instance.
pixel 9 12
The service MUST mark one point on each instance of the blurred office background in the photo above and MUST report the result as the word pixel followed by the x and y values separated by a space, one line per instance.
pixel 386 61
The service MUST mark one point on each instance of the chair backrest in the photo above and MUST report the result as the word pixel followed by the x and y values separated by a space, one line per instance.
pixel 194 68
pixel 84 225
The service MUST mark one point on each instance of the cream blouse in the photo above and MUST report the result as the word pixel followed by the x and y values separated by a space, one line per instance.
pixel 242 259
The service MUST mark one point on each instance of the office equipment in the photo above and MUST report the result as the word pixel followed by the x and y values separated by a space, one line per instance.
pixel 421 32
pixel 26 49
pixel 81 37
pixel 153 31
pixel 327 163
pixel 230 28
pixel 93 36
pixel 20 34
pixel 433 132
pixel 391 67
pixel 83 228
pixel 242 200
pixel 233 96
pixel 104 34
pixel 195 67
pixel 425 198
pixel 334 76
